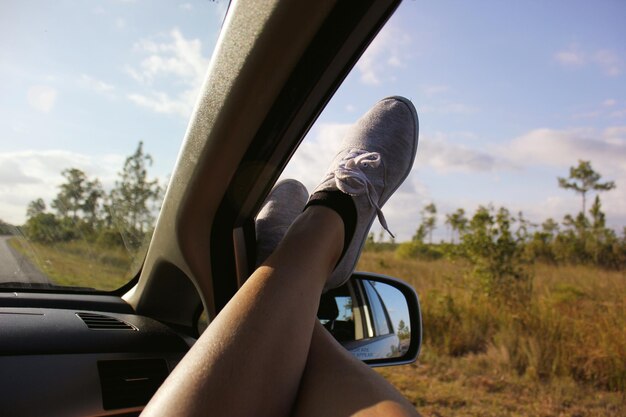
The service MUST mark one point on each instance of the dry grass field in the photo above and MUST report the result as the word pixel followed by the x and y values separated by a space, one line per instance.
pixel 562 354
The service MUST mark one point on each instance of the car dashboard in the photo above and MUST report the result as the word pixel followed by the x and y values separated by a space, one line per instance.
pixel 82 355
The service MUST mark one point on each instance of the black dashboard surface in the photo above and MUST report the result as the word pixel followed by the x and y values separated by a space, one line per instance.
pixel 28 331
pixel 80 355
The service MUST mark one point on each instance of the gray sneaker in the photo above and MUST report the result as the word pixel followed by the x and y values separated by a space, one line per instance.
pixel 281 207
pixel 376 156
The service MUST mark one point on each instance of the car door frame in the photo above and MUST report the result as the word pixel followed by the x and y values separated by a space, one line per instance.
pixel 247 123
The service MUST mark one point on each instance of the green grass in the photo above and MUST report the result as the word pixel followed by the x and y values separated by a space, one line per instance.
pixel 80 264
pixel 562 353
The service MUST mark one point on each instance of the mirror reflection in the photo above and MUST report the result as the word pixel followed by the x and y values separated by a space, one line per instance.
pixel 369 318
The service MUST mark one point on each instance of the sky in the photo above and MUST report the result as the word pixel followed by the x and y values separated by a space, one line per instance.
pixel 509 96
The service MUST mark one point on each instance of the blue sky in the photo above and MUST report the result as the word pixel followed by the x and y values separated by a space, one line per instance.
pixel 510 94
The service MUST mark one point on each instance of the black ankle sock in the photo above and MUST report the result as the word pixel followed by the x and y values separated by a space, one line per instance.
pixel 344 206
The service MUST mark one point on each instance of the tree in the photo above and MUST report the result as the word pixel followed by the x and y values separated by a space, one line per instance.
pixel 584 179
pixel 6 228
pixel 550 228
pixel 457 222
pixel 134 196
pixel 403 332
pixel 541 246
pixel 427 226
pixel 78 198
pixel 91 202
pixel 35 207
pixel 598 218
pixel 602 244
pixel 45 228
pixel 69 199
pixel 496 253
pixel 420 234
pixel 429 220
pixel 578 224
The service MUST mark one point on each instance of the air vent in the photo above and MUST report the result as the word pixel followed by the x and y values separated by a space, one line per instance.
pixel 130 383
pixel 100 322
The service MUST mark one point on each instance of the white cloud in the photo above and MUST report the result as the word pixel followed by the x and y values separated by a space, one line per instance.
pixel 169 63
pixel 607 60
pixel 96 85
pixel 562 148
pixel 571 57
pixel 457 155
pixel 42 98
pixel 606 110
pixel 551 150
pixel 446 157
pixel 11 174
pixel 310 162
pixel 609 102
pixel 387 51
pixel 185 6
pixel 28 175
pixel 175 55
pixel 162 103
pixel 615 132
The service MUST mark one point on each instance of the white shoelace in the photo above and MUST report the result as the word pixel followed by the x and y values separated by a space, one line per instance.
pixel 350 179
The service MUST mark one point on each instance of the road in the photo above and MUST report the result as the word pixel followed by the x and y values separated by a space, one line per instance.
pixel 14 267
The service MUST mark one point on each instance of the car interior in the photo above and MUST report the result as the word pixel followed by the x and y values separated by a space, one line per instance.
pixel 275 67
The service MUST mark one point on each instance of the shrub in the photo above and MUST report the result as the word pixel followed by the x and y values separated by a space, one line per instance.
pixel 46 228
pixel 457 325
pixel 497 256
pixel 418 250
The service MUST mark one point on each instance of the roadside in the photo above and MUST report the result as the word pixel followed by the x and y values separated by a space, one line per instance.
pixel 15 267
pixel 80 264
pixel 561 353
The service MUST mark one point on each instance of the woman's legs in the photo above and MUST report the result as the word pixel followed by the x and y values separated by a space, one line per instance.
pixel 335 383
pixel 250 360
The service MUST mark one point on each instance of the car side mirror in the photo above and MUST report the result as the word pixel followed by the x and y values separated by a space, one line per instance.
pixel 376 317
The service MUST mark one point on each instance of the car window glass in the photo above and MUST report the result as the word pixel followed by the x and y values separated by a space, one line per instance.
pixel 378 311
pixel 344 305
pixel 96 97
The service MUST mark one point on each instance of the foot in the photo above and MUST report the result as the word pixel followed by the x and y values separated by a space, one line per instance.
pixel 283 204
pixel 376 156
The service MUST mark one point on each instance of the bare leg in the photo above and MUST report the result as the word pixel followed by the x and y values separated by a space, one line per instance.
pixel 251 358
pixel 337 384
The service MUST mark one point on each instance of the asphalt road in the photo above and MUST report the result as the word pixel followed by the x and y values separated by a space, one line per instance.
pixel 14 267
